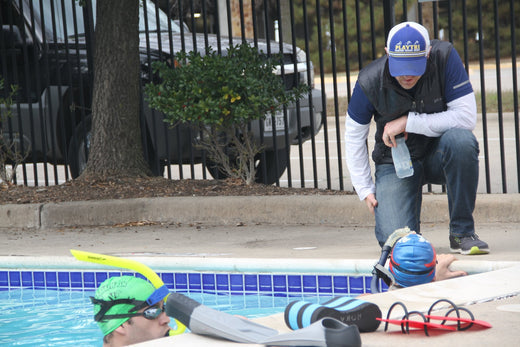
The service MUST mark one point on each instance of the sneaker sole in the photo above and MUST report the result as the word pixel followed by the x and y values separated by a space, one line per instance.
pixel 473 251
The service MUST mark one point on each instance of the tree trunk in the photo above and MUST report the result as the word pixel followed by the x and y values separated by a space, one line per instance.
pixel 116 148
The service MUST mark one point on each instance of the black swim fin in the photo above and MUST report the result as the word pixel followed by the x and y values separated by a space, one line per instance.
pixel 326 332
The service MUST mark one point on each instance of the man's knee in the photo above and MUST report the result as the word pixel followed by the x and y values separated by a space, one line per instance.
pixel 459 137
pixel 460 143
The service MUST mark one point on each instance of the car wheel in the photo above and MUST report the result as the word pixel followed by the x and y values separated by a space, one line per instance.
pixel 274 162
pixel 156 165
pixel 79 147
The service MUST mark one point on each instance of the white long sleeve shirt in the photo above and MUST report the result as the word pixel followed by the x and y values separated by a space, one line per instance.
pixel 461 112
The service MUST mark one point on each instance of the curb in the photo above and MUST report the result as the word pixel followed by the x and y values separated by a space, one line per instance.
pixel 232 210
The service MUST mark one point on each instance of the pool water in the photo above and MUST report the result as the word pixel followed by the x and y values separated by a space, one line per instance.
pixel 43 317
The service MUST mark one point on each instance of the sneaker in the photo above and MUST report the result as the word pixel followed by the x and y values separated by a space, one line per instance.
pixel 468 245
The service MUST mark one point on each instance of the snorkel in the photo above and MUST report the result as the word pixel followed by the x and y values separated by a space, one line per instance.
pixel 379 269
pixel 161 291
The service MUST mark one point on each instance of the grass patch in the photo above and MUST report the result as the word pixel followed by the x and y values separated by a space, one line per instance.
pixel 507 101
pixel 342 107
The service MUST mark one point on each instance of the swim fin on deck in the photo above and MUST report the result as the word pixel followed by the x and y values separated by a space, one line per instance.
pixel 326 332
pixel 204 320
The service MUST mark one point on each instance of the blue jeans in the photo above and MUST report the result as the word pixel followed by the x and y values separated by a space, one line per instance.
pixel 452 160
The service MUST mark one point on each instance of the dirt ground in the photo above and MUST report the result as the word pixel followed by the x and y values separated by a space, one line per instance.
pixel 143 187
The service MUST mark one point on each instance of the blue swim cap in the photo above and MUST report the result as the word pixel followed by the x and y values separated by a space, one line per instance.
pixel 413 261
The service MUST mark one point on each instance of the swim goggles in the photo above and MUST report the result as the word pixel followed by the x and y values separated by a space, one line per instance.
pixel 150 313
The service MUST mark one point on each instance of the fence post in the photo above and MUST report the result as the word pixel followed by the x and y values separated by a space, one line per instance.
pixel 88 19
pixel 389 16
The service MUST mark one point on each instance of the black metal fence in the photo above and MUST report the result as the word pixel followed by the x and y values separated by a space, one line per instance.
pixel 46 50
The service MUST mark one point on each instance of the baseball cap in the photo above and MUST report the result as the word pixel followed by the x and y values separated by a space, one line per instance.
pixel 119 296
pixel 408 45
pixel 413 261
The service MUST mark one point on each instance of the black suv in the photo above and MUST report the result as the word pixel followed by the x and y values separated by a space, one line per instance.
pixel 46 50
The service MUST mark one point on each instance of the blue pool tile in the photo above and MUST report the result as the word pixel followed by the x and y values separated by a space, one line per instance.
pixel 222 282
pixel 51 279
pixel 251 283
pixel 265 283
pixel 39 279
pixel 340 284
pixel 208 282
pixel 181 281
pixel 27 280
pixel 236 282
pixel 76 280
pixel 89 280
pixel 367 279
pixel 309 284
pixel 63 280
pixel 279 283
pixel 325 284
pixel 114 274
pixel 167 278
pixel 356 285
pixel 294 283
pixel 100 277
pixel 4 279
pixel 14 279
pixel 194 282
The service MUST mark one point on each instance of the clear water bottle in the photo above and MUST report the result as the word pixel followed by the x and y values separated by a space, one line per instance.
pixel 401 157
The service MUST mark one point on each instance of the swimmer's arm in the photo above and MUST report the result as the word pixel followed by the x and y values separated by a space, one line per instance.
pixel 442 271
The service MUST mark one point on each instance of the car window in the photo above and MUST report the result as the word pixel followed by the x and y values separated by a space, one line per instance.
pixel 65 18
pixel 152 13
pixel 57 18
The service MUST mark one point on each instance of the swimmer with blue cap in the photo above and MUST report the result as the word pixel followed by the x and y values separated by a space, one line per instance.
pixel 130 310
pixel 413 261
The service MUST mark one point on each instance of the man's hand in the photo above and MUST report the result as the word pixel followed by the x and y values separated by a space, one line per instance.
pixel 371 202
pixel 442 270
pixel 394 128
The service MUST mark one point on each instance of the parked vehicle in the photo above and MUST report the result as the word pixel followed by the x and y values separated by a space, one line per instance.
pixel 46 50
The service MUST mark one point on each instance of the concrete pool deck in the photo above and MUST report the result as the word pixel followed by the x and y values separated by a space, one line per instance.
pixel 302 229
pixel 493 305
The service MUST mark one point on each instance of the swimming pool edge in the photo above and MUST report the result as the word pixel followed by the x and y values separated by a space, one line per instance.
pixel 239 265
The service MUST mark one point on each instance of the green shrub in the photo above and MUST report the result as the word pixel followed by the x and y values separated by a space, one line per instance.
pixel 220 95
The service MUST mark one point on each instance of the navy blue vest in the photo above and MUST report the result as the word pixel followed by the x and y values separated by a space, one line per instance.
pixel 392 101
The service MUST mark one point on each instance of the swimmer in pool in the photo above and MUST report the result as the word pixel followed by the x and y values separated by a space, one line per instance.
pixel 127 312
pixel 414 261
